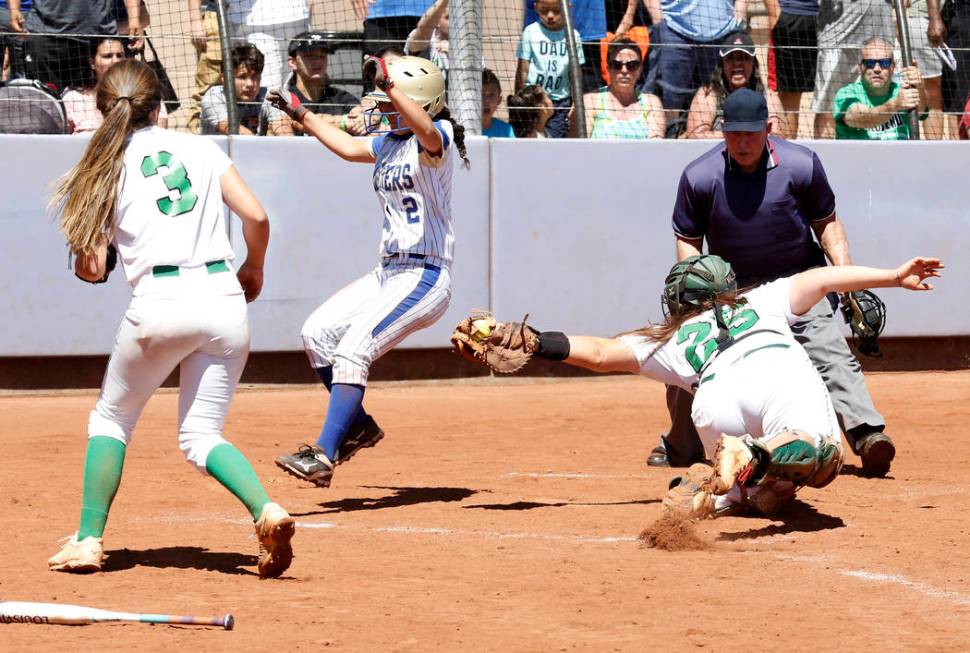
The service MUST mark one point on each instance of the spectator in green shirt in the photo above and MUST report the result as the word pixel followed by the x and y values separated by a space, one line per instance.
pixel 874 108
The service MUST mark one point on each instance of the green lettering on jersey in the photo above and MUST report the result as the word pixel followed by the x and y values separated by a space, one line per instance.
pixel 703 336
pixel 176 179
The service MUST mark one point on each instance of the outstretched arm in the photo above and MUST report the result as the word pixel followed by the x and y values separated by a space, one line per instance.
pixel 601 354
pixel 808 288
pixel 340 143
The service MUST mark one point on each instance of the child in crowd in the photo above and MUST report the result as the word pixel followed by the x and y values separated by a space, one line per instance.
pixel 544 61
pixel 255 115
pixel 530 111
pixel 491 98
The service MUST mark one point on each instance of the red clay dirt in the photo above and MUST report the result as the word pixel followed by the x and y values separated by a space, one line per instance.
pixel 497 514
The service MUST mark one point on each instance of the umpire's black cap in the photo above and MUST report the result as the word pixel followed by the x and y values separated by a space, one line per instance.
pixel 745 111
pixel 309 41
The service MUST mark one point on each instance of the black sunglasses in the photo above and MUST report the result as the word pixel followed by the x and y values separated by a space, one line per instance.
pixel 616 64
pixel 869 64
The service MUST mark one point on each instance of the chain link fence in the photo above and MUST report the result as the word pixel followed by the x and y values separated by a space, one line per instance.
pixel 828 69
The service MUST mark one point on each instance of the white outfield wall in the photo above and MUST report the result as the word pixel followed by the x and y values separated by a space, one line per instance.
pixel 577 233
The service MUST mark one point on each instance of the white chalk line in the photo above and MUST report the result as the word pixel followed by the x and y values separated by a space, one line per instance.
pixel 575 475
pixel 887 579
pixel 899 580
pixel 418 530
pixel 457 532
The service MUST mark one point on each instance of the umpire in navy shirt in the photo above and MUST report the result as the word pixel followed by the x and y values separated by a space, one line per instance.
pixel 761 202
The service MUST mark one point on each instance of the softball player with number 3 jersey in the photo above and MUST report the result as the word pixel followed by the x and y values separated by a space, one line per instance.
pixel 154 199
pixel 411 286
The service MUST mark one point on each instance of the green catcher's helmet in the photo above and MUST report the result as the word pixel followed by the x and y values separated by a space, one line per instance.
pixel 695 279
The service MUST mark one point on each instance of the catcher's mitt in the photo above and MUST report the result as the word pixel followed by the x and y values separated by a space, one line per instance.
pixel 866 316
pixel 503 346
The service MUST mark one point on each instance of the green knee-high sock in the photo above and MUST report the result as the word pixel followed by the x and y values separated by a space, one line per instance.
pixel 102 476
pixel 228 466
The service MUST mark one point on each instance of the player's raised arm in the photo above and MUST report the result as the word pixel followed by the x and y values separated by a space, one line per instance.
pixel 412 116
pixel 808 288
pixel 339 142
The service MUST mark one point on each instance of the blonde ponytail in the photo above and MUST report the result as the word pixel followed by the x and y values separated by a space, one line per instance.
pixel 86 196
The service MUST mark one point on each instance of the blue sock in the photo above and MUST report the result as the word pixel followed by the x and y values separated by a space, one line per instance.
pixel 326 375
pixel 345 405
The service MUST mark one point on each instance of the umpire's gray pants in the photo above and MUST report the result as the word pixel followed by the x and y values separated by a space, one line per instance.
pixel 819 333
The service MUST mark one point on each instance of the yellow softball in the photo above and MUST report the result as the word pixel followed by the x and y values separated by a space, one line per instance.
pixel 482 328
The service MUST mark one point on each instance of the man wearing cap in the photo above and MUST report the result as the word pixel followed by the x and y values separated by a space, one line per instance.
pixel 761 202
pixel 308 85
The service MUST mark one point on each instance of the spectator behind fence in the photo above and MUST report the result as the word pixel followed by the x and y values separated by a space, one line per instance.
pixel 685 39
pixel 80 104
pixel 842 29
pixel 56 55
pixel 269 26
pixel 491 99
pixel 874 108
pixel 530 110
pixel 793 55
pixel 119 11
pixel 589 19
pixel 204 30
pixel 955 28
pixel 544 61
pixel 621 111
pixel 624 15
pixel 929 63
pixel 309 87
pixel 387 23
pixel 13 50
pixel 256 116
pixel 430 38
pixel 737 68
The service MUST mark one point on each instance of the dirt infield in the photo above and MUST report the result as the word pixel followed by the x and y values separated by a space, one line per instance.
pixel 496 515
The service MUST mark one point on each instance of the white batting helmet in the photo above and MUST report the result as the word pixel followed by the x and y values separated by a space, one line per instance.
pixel 420 79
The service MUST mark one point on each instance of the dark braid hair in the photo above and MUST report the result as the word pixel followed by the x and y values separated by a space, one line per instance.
pixel 524 109
pixel 445 114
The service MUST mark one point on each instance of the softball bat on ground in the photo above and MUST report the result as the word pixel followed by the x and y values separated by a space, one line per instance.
pixel 28 612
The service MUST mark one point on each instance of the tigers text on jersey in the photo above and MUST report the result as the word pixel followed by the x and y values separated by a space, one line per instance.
pixel 415 194
pixel 170 209
pixel 764 317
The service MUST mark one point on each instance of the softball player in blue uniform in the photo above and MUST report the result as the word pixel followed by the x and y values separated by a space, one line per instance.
pixel 411 286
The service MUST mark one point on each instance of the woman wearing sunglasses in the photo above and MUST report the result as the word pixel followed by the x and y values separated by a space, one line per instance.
pixel 620 111
pixel 737 68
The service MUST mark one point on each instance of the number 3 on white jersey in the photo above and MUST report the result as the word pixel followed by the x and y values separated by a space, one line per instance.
pixel 176 179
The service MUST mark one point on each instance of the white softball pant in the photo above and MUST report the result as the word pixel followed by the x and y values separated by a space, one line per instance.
pixel 768 392
pixel 206 335
pixel 765 394
pixel 367 318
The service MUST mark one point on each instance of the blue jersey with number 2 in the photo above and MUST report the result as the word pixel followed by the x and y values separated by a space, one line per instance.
pixel 414 190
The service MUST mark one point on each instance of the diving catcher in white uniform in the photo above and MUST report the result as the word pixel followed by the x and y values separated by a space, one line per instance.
pixel 760 407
